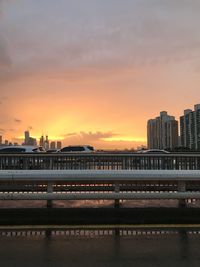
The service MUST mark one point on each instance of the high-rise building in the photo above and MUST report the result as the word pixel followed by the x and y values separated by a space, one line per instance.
pixel 190 128
pixel 29 141
pixel 1 139
pixel 53 145
pixel 26 137
pixel 162 132
pixel 46 143
pixel 42 141
pixel 59 145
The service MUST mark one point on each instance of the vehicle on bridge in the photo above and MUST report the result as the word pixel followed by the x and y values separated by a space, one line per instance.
pixel 51 151
pixel 16 157
pixel 21 149
pixel 154 151
pixel 77 149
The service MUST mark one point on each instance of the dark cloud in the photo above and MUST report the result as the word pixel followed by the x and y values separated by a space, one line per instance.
pixel 3 99
pixel 17 120
pixel 99 35
pixel 70 134
pixel 98 140
pixel 5 60
pixel 88 137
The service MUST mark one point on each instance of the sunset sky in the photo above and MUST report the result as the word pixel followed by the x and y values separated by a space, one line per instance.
pixel 94 71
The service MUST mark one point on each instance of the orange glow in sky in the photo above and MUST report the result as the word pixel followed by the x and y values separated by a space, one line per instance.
pixel 93 72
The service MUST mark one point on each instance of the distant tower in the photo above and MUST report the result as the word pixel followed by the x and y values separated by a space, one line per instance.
pixel 1 139
pixel 59 145
pixel 26 137
pixel 42 141
pixel 28 140
pixel 53 145
pixel 46 143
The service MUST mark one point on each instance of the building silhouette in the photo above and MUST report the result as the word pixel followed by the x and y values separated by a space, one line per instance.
pixel 46 143
pixel 28 140
pixel 190 128
pixel 42 141
pixel 59 145
pixel 53 145
pixel 162 132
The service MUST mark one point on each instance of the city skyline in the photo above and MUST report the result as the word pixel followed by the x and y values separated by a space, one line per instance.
pixel 93 74
pixel 163 132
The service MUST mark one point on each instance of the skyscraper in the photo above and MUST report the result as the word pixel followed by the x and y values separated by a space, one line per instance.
pixel 162 132
pixel 26 137
pixel 42 141
pixel 29 141
pixel 59 145
pixel 53 145
pixel 1 139
pixel 190 128
pixel 46 143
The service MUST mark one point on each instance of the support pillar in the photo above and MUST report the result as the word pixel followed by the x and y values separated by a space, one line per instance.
pixel 182 188
pixel 117 201
pixel 49 190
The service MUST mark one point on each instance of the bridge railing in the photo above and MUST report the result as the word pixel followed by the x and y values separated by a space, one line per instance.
pixel 114 185
pixel 99 161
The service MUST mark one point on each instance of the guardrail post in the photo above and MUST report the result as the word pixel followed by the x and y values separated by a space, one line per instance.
pixel 117 188
pixel 49 190
pixel 182 188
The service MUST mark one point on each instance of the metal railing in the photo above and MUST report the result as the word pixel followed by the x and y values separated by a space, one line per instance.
pixel 99 184
pixel 99 161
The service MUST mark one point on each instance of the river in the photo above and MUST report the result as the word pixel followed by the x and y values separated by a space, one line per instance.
pixel 100 248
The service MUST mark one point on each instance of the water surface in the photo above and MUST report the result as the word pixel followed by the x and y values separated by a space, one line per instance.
pixel 109 248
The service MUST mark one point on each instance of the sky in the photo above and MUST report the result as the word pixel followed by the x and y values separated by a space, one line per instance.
pixel 94 71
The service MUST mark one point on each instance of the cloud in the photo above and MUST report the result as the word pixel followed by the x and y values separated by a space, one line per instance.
pixel 5 60
pixel 88 137
pixel 2 131
pixel 97 36
pixel 97 135
pixel 70 135
pixel 98 140
pixel 17 120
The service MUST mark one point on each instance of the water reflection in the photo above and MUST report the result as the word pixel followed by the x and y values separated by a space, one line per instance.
pixel 77 232
pixel 184 244
pixel 101 246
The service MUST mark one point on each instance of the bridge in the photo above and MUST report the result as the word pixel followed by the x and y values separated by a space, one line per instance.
pixel 99 176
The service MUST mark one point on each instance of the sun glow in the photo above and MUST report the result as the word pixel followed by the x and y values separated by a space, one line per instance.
pixel 124 139
pixel 50 137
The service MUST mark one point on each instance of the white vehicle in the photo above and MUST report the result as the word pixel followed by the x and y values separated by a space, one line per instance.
pixel 154 151
pixel 75 149
pixel 21 149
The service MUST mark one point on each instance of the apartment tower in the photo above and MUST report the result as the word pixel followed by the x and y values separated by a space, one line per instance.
pixel 162 132
pixel 190 128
